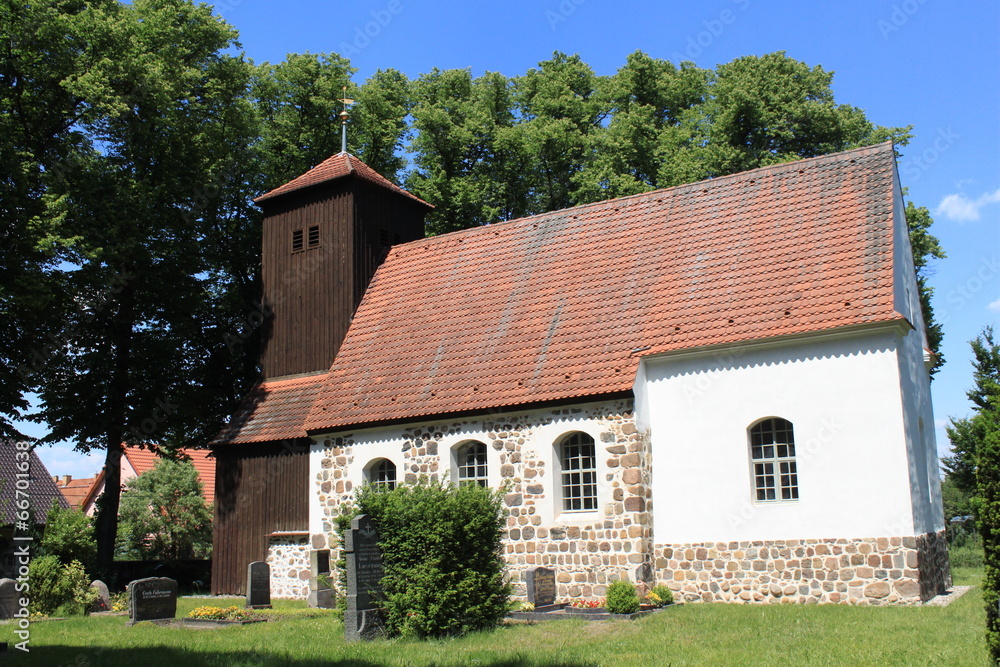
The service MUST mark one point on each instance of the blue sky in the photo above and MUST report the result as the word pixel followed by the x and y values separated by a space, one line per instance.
pixel 926 63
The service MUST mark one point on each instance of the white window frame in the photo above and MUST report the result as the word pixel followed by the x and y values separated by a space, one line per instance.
pixel 481 470
pixel 773 464
pixel 372 469
pixel 582 483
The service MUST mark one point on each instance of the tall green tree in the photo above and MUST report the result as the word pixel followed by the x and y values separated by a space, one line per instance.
pixel 141 339
pixel 164 515
pixel 769 109
pixel 559 108
pixel 47 45
pixel 298 103
pixel 463 149
pixel 985 426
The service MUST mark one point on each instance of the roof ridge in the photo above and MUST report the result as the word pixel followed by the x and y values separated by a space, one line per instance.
pixel 781 166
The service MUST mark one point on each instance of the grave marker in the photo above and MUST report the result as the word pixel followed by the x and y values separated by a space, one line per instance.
pixel 103 602
pixel 8 599
pixel 258 585
pixel 362 619
pixel 541 586
pixel 152 599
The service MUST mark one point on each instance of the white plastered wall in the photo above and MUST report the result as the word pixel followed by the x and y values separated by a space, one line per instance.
pixel 842 395
pixel 918 412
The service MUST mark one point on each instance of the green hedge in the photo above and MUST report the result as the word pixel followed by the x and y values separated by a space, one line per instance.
pixel 441 550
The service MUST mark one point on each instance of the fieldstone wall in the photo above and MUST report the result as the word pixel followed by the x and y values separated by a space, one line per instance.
pixel 288 557
pixel 867 571
pixel 586 555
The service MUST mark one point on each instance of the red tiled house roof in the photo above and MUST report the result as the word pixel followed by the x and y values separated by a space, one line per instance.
pixel 273 410
pixel 562 305
pixel 76 491
pixel 338 166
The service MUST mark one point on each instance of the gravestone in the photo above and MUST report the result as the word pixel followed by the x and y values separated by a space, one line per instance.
pixel 103 601
pixel 320 584
pixel 362 619
pixel 541 586
pixel 258 585
pixel 152 599
pixel 8 599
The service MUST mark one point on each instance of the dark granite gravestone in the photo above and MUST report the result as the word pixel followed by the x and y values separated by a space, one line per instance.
pixel 152 599
pixel 8 599
pixel 362 619
pixel 258 585
pixel 541 586
pixel 103 602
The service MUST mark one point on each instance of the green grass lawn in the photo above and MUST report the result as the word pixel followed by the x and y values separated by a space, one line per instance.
pixel 694 634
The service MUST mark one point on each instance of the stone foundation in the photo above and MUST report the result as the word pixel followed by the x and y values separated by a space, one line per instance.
pixel 288 556
pixel 866 571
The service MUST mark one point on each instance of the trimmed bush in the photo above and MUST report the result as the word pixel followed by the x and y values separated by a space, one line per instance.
pixel 441 551
pixel 621 598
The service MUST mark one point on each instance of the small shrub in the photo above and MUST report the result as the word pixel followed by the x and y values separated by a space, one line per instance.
pixel 661 596
pixel 119 601
pixel 622 598
pixel 56 586
pixel 69 536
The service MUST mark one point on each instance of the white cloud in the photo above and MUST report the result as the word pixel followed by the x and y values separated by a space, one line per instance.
pixel 961 208
pixel 995 306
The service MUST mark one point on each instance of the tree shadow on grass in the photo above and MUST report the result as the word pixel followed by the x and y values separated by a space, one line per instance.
pixel 154 656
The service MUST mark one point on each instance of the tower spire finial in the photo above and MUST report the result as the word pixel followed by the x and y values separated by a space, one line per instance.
pixel 343 121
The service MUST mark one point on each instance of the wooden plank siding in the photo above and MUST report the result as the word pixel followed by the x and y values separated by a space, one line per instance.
pixel 259 489
pixel 312 293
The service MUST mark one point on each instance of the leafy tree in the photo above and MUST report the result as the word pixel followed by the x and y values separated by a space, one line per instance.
pixel 559 107
pixel 164 515
pixel 68 536
pixel 463 149
pixel 148 300
pixel 648 143
pixel 769 109
pixel 298 102
pixel 47 44
pixel 378 122
pixel 925 247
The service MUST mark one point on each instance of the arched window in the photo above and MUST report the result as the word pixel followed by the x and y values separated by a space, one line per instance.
pixel 382 472
pixel 470 459
pixel 772 455
pixel 578 465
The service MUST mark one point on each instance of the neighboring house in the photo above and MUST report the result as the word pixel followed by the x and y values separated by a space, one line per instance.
pixel 76 491
pixel 22 471
pixel 721 386
pixel 136 461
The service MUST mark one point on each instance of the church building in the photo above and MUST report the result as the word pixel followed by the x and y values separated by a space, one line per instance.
pixel 722 387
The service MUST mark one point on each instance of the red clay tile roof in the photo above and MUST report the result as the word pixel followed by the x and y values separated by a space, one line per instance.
pixel 334 167
pixel 76 491
pixel 273 410
pixel 562 305
pixel 144 460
